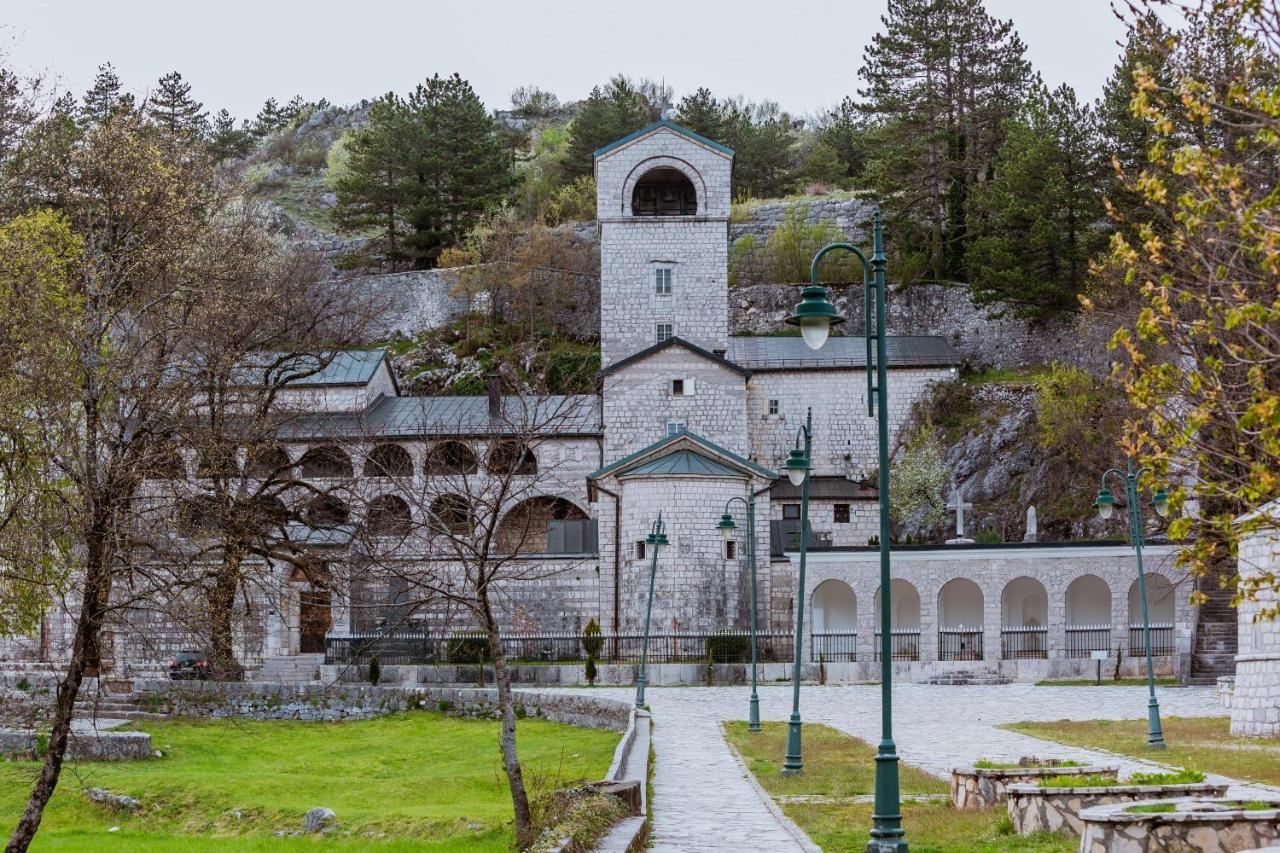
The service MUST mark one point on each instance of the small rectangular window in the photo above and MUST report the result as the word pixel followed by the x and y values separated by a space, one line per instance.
pixel 842 513
pixel 662 282
pixel 791 512
pixel 677 387
pixel 730 549
pixel 674 428
pixel 639 549
pixel 773 407
pixel 665 332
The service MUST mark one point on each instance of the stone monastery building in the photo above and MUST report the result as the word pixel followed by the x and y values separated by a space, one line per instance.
pixel 689 419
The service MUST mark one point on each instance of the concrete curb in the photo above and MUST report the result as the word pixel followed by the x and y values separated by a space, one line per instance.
pixel 631 763
pixel 800 836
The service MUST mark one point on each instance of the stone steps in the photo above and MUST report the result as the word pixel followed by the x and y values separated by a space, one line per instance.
pixel 1214 651
pixel 291 668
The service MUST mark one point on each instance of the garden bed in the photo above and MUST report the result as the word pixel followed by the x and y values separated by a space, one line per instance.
pixel 1204 825
pixel 985 784
pixel 1051 806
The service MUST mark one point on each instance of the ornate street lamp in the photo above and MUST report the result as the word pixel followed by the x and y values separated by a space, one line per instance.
pixel 1105 505
pixel 657 538
pixel 726 527
pixel 887 835
pixel 798 466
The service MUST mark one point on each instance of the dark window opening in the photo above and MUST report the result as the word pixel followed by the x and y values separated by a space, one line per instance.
pixel 842 513
pixel 791 512
pixel 664 192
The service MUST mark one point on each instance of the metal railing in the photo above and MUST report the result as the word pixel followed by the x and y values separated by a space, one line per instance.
pixel 960 643
pixel 1162 642
pixel 1084 640
pixel 903 645
pixel 1024 643
pixel 831 646
pixel 417 647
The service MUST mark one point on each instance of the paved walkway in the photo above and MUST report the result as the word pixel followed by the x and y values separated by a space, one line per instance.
pixel 704 801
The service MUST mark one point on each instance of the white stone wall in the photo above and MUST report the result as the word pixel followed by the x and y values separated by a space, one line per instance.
pixel 863 523
pixel 1255 705
pixel 844 437
pixel 638 403
pixel 631 248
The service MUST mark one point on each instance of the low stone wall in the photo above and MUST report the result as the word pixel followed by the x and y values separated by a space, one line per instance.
pixel 982 788
pixel 271 701
pixel 1198 826
pixel 1034 809
pixel 81 746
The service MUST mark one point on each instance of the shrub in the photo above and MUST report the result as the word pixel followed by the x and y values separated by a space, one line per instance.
pixel 592 640
pixel 375 671
pixel 591 672
pixel 918 478
pixel 575 202
pixel 790 249
pixel 23 684
pixel 312 156
pixel 42 744
pixel 728 648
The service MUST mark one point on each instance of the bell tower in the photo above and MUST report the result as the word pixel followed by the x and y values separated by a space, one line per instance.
pixel 662 206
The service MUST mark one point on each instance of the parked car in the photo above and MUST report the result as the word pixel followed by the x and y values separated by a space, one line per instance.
pixel 189 665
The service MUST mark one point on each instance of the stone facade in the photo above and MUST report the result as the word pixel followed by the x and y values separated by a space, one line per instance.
pixel 1255 701
pixel 1034 809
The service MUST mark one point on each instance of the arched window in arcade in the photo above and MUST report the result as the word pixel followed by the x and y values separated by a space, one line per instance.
pixel 325 462
pixel 1088 616
pixel 546 525
pixel 1160 613
pixel 664 192
pixel 512 457
pixel 905 621
pixel 389 460
pixel 267 462
pixel 451 515
pixel 327 511
pixel 960 620
pixel 1024 619
pixel 450 458
pixel 388 515
pixel 835 620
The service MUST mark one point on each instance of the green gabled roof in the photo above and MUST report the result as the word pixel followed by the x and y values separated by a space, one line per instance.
pixel 670 125
pixel 686 462
pixel 631 458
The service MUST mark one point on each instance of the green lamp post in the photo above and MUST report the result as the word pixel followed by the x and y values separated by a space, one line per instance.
pixel 797 466
pixel 726 527
pixel 815 315
pixel 1105 505
pixel 656 539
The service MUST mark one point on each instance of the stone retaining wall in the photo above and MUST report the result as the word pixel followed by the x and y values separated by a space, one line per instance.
pixel 1034 809
pixel 982 788
pixel 1110 829
pixel 81 746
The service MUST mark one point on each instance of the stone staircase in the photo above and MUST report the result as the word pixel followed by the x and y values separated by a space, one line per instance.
pixel 1216 643
pixel 290 669
pixel 117 706
pixel 964 677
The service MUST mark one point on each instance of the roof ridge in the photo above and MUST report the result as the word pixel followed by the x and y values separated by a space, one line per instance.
pixel 658 125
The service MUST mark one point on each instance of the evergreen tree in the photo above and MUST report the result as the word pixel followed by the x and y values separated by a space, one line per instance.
pixel 842 130
pixel 1039 220
pixel 105 98
pixel 372 192
pixel 290 111
pixel 270 118
pixel 941 78
pixel 702 113
pixel 226 140
pixel 172 108
pixel 608 114
pixel 763 139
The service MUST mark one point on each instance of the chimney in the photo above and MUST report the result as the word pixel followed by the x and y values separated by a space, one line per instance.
pixel 495 396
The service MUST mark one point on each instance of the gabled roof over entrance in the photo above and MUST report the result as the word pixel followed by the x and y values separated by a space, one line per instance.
pixel 667 344
pixel 664 124
pixel 684 450
pixel 684 462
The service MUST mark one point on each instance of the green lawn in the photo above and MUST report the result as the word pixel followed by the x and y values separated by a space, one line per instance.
pixel 1202 743
pixel 837 765
pixel 417 781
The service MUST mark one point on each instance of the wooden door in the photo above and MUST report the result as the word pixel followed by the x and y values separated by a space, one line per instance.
pixel 315 620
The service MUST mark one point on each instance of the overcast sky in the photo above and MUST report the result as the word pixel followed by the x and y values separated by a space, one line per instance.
pixel 804 54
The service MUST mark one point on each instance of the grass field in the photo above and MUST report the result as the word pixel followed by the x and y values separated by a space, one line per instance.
pixel 416 781
pixel 837 765
pixel 1202 743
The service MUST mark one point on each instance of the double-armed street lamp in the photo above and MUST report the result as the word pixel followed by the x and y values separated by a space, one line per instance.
pixel 726 527
pixel 798 466
pixel 815 315
pixel 1105 504
pixel 656 539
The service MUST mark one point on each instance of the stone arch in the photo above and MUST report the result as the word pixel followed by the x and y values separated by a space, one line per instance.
pixel 389 460
pixel 1024 603
pixel 326 511
pixel 451 514
pixel 526 527
pixel 834 607
pixel 906 606
pixel 326 462
pixel 388 515
pixel 511 457
pixel 1161 604
pixel 450 458
pixel 643 168
pixel 1088 601
pixel 960 604
pixel 267 461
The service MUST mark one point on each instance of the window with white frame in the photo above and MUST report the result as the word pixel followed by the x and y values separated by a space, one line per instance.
pixel 773 407
pixel 662 280
pixel 675 428
pixel 682 387
pixel 665 332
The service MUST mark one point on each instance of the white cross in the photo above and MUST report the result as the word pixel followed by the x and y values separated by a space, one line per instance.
pixel 958 504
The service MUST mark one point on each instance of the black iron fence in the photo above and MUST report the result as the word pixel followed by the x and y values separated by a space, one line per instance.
pixel 960 643
pixel 903 645
pixel 1084 640
pixel 1024 643
pixel 1162 642
pixel 833 646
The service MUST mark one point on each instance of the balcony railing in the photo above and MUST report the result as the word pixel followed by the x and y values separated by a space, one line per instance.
pixel 903 645
pixel 1024 643
pixel 833 646
pixel 1162 641
pixel 1084 640
pixel 960 643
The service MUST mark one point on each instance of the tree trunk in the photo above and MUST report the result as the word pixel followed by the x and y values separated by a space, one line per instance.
pixel 97 591
pixel 506 704
pixel 222 599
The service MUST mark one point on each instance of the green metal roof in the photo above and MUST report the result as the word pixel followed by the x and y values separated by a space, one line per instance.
pixel 670 125
pixel 630 458
pixel 685 462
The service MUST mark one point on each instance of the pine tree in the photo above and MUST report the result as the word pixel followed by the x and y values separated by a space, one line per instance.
pixel 269 119
pixel 105 98
pixel 172 107
pixel 1039 220
pixel 842 129
pixel 372 191
pixel 608 114
pixel 941 78
pixel 763 139
pixel 702 113
pixel 226 140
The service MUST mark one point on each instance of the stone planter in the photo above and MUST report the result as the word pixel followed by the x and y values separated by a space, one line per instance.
pixel 1197 826
pixel 1036 809
pixel 981 788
